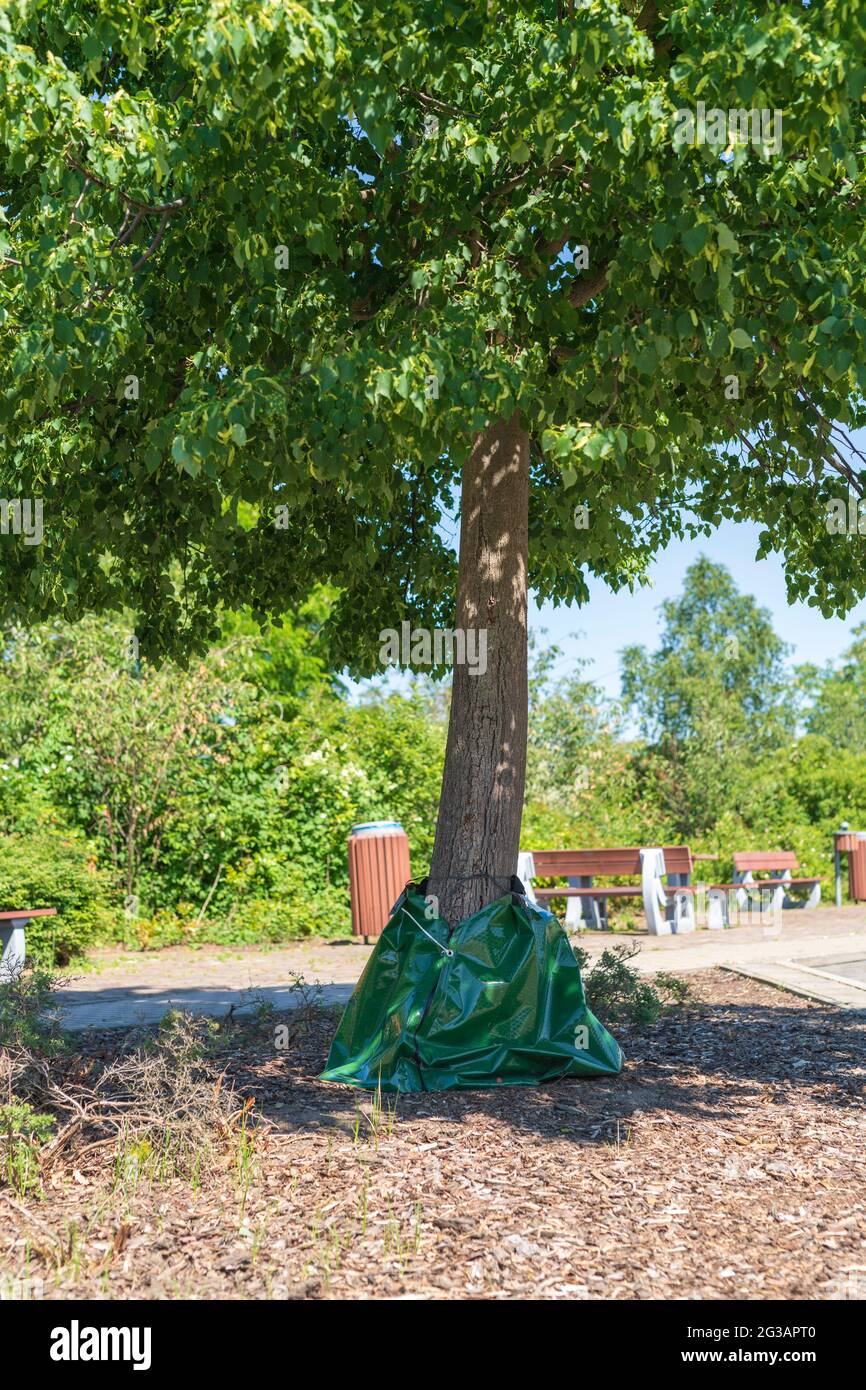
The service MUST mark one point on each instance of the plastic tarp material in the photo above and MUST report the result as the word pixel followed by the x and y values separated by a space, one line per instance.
pixel 498 1000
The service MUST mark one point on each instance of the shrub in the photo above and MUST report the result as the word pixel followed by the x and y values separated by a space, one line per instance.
pixel 54 868
pixel 615 991
pixel 28 1022
pixel 291 906
pixel 23 809
pixel 294 908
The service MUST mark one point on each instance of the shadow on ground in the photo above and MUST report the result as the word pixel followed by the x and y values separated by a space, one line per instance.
pixel 131 1007
pixel 711 1063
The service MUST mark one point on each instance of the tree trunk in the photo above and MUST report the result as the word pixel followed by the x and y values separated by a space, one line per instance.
pixel 480 808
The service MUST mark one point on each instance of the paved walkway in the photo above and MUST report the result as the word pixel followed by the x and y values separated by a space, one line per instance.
pixel 123 988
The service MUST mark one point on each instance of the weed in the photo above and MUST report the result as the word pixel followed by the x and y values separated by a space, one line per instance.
pixel 364 1203
pixel 403 1242
pixel 246 1160
pixel 376 1120
pixel 22 1132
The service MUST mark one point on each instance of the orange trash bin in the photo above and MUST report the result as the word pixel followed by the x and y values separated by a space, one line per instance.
pixel 857 871
pixel 378 873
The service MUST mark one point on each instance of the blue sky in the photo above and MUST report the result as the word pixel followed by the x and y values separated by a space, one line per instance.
pixel 610 621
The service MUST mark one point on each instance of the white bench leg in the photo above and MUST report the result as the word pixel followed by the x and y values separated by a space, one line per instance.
pixel 526 874
pixel 673 881
pixel 12 939
pixel 717 909
pixel 684 912
pixel 681 909
pixel 814 896
pixel 573 909
pixel 655 903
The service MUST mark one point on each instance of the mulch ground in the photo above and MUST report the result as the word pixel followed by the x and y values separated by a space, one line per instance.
pixel 725 1162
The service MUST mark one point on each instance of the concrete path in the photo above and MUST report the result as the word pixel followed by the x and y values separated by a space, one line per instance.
pixel 833 979
pixel 120 988
pixel 818 954
pixel 822 931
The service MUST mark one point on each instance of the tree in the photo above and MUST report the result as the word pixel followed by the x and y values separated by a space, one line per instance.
pixel 837 709
pixel 337 261
pixel 712 699
pixel 572 735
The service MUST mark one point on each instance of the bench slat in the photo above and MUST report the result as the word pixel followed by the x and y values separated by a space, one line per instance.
pixel 618 862
pixel 583 862
pixel 29 912
pixel 769 883
pixel 777 859
pixel 613 891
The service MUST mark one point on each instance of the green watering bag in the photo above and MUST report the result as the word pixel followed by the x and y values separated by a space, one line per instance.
pixel 498 1000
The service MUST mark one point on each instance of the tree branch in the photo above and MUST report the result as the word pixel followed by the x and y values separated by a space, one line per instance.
pixel 169 208
pixel 153 245
pixel 589 286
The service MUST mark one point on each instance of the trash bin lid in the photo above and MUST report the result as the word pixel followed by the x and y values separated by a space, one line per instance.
pixel 370 827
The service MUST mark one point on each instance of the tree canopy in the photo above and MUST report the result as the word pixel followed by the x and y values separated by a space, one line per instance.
pixel 293 257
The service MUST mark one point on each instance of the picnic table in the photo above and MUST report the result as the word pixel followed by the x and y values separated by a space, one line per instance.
pixel 665 886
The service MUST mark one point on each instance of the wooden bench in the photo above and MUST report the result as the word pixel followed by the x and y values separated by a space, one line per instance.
pixel 12 926
pixel 668 905
pixel 780 864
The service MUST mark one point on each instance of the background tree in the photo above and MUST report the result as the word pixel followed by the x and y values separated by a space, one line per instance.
pixel 327 261
pixel 573 733
pixel 837 695
pixel 115 736
pixel 713 697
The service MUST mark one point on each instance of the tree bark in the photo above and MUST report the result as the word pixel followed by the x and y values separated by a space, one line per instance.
pixel 481 804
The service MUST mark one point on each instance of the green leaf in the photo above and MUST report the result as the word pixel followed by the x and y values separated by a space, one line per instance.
pixel 726 239
pixel 695 239
pixel 662 235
